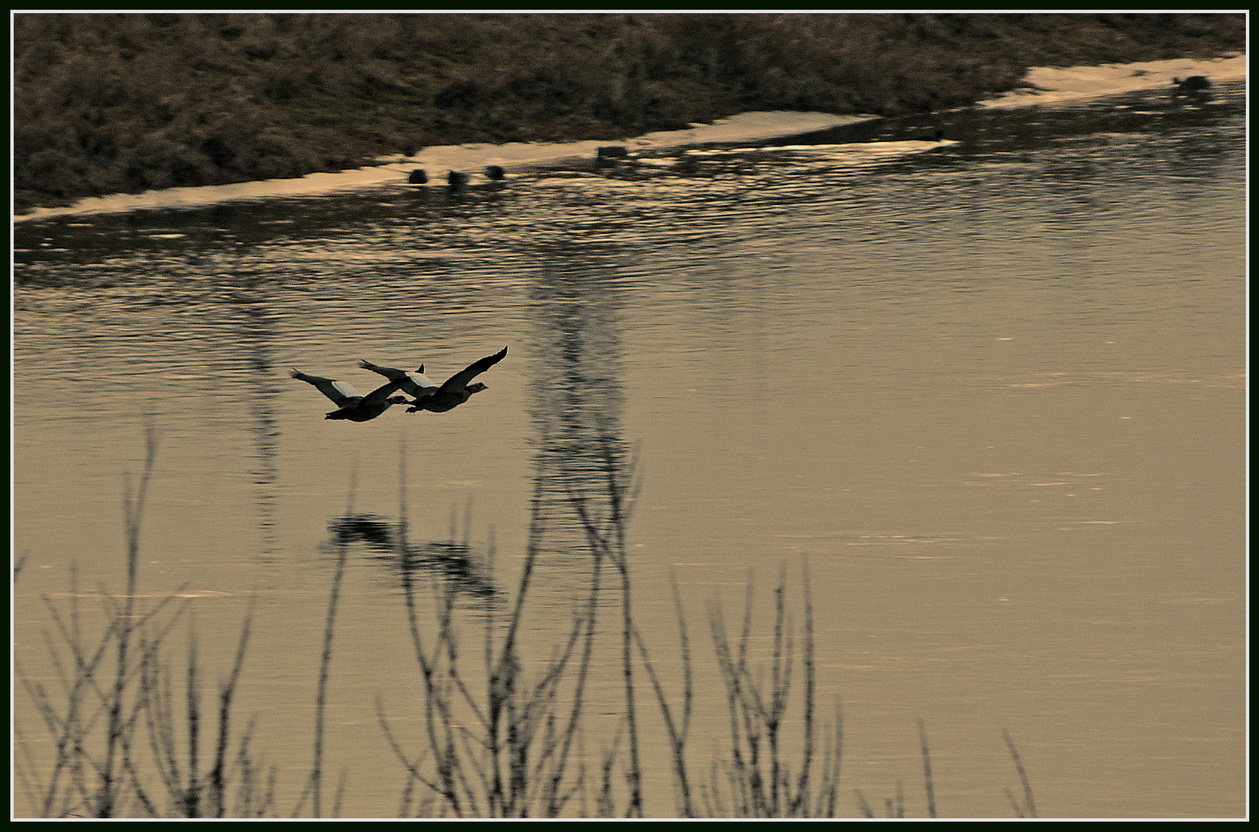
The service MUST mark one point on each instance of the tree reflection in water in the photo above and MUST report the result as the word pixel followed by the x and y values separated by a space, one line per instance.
pixel 578 397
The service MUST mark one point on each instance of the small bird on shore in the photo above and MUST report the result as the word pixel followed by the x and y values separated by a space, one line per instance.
pixel 611 151
pixel 1194 83
pixel 453 392
pixel 350 403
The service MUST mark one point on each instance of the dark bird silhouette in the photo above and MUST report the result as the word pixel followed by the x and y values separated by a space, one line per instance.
pixel 1194 83
pixel 418 177
pixel 457 179
pixel 495 172
pixel 350 403
pixel 453 392
pixel 413 383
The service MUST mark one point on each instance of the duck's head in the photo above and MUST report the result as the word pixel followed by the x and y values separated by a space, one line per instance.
pixel 476 387
pixel 398 400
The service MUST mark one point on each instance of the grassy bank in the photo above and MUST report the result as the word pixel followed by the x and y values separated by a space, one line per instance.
pixel 116 103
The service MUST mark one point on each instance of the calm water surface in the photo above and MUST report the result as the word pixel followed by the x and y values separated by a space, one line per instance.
pixel 991 392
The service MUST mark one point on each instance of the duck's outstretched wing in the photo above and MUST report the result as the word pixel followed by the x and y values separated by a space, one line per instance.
pixel 417 384
pixel 381 393
pixel 340 392
pixel 388 372
pixel 460 379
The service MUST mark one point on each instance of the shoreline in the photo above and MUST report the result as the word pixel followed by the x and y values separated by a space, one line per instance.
pixel 1054 85
pixel 127 103
pixel 1043 86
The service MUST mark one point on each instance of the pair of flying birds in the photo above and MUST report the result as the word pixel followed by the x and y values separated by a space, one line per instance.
pixel 428 396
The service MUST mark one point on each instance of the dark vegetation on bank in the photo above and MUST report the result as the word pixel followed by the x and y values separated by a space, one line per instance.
pixel 110 103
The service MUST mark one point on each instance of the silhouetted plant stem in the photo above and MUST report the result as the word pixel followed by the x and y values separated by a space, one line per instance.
pixel 762 780
pixel 799 803
pixel 503 750
pixel 191 794
pixel 1028 809
pixel 133 511
pixel 227 694
pixel 608 540
pixel 315 782
pixel 928 784
pixel 676 729
pixel 555 798
pixel 104 714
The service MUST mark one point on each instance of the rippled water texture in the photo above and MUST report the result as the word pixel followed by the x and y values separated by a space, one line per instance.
pixel 990 388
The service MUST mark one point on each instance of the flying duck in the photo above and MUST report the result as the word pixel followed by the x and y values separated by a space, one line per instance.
pixel 453 392
pixel 350 403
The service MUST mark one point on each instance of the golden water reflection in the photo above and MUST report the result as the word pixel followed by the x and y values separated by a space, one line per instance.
pixel 992 394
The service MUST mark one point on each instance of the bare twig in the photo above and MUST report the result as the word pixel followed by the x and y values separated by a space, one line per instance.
pixel 1029 802
pixel 928 784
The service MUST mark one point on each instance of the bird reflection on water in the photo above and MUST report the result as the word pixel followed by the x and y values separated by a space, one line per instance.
pixel 451 560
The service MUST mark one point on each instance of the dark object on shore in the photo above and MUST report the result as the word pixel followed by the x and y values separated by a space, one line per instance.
pixel 457 179
pixel 911 135
pixel 686 165
pixel 418 177
pixel 612 151
pixel 453 392
pixel 350 404
pixel 495 172
pixel 1194 83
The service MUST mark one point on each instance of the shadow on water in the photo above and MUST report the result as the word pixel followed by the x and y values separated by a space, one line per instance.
pixel 451 560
